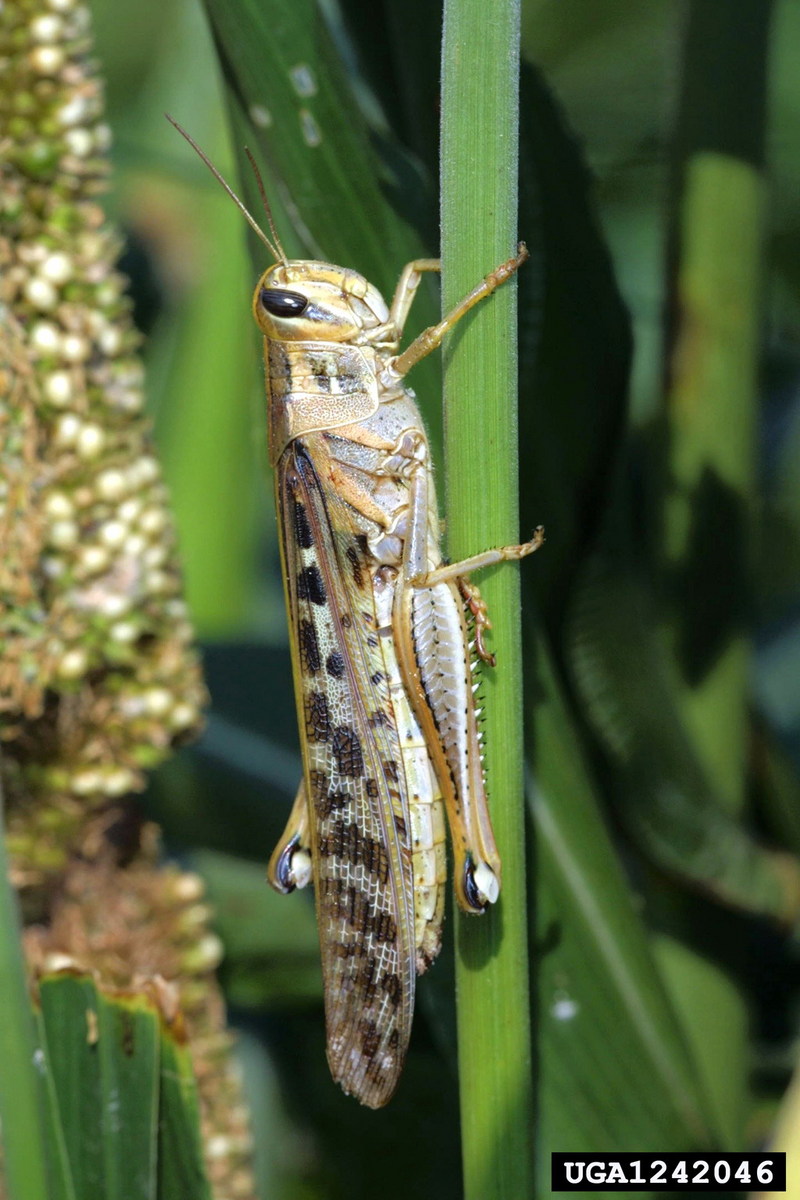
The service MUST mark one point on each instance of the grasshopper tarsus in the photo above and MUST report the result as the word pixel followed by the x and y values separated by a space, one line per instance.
pixel 504 272
pixel 476 604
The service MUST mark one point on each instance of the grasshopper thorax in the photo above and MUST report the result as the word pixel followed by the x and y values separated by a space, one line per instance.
pixel 304 300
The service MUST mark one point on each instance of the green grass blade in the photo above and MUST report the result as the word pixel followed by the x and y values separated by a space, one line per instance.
pixel 337 177
pixel 62 1186
pixel 21 1112
pixel 128 1043
pixel 479 230
pixel 614 1068
pixel 325 166
pixel 125 1095
pixel 69 1013
pixel 180 1161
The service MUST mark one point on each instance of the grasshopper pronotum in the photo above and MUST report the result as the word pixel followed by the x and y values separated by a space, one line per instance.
pixel 385 638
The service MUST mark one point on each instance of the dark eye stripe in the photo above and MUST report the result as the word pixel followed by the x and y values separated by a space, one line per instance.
pixel 280 303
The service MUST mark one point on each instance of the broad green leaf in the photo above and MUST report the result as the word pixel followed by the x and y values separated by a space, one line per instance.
pixel 128 1029
pixel 342 185
pixel 292 89
pixel 124 1097
pixel 181 1174
pixel 581 47
pixel 23 1099
pixel 213 364
pixel 62 1186
pixel 615 1070
pixel 661 791
pixel 575 352
pixel 69 1005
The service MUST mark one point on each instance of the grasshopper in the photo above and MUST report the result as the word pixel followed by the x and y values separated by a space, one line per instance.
pixel 386 640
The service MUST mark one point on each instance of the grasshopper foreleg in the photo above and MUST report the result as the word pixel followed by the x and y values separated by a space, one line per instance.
pixel 431 338
pixel 406 289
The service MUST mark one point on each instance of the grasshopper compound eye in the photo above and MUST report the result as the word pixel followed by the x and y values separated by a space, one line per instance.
pixel 280 303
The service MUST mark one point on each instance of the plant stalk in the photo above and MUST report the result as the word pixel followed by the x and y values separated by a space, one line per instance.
pixel 479 158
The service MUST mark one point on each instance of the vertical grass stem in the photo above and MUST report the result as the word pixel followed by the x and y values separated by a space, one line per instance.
pixel 480 72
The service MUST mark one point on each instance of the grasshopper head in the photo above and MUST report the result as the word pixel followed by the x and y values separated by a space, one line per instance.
pixel 314 301
pixel 302 300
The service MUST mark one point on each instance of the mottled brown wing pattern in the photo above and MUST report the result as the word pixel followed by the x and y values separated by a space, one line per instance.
pixel 358 814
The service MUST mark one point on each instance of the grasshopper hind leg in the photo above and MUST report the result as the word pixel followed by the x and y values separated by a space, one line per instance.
pixel 437 614
pixel 290 865
pixel 481 885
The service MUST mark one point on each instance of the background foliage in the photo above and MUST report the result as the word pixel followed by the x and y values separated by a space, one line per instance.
pixel 658 433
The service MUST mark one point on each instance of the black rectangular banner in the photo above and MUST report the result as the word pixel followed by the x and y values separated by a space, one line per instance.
pixel 668 1172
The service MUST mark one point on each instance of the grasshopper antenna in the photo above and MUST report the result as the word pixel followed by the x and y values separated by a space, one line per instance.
pixel 250 219
pixel 265 202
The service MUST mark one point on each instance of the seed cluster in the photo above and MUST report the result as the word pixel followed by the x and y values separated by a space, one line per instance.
pixel 98 678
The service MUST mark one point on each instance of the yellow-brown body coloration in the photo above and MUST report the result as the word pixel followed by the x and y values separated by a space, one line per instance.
pixel 385 642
